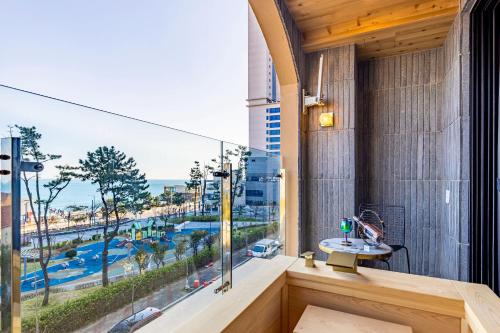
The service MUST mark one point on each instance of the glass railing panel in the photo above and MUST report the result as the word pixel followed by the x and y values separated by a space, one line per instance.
pixel 102 168
pixel 256 203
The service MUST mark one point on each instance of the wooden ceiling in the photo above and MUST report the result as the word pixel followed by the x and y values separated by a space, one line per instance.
pixel 378 27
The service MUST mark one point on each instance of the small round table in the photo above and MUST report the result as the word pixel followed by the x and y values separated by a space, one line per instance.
pixel 382 252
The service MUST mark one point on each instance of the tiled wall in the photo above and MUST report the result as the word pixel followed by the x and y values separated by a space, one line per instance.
pixel 401 136
pixel 413 130
pixel 399 121
pixel 330 177
pixel 455 164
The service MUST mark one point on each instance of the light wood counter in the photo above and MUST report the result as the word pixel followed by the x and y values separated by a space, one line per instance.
pixel 482 307
pixel 272 296
pixel 321 320
pixel 414 291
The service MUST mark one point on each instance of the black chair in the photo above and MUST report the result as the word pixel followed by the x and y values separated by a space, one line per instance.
pixel 395 230
pixel 394 226
pixel 371 213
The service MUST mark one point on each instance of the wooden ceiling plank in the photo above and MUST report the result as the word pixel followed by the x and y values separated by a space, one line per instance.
pixel 387 17
pixel 359 11
pixel 386 44
pixel 369 54
pixel 341 11
pixel 429 33
pixel 378 27
pixel 322 38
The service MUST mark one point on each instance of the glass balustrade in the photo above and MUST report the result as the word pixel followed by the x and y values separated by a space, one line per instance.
pixel 125 218
pixel 255 203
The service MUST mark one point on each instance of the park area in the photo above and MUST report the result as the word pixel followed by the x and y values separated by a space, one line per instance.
pixel 78 300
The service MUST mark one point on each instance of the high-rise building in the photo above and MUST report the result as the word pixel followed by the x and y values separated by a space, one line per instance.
pixel 263 92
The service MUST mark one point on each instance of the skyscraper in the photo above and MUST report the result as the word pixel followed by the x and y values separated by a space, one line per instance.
pixel 263 92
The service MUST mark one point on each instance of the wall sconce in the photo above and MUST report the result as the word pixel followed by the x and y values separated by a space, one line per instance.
pixel 326 119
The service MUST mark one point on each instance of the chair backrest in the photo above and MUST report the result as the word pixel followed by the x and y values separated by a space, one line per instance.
pixel 395 225
pixel 370 206
pixel 371 213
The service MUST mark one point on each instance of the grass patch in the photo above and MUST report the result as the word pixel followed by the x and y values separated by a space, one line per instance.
pixel 68 314
pixel 35 266
pixel 28 307
pixel 68 311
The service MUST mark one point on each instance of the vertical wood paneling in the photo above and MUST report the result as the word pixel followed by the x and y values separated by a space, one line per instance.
pixel 400 100
pixel 455 143
pixel 398 138
pixel 331 179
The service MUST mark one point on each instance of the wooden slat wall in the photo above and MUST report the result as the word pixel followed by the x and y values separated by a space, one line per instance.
pixel 413 148
pixel 330 176
pixel 399 121
pixel 455 166
pixel 406 143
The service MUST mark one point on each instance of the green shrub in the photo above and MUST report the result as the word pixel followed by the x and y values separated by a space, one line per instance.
pixel 96 237
pixel 79 312
pixel 70 254
pixel 76 241
pixel 253 234
pixel 199 218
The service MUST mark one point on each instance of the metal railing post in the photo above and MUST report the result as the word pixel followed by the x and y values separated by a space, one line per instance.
pixel 10 225
pixel 226 227
pixel 282 187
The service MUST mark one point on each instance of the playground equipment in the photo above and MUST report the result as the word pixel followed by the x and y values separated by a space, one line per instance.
pixel 151 231
pixel 136 231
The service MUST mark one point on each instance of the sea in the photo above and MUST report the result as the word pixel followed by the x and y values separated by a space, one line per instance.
pixel 82 193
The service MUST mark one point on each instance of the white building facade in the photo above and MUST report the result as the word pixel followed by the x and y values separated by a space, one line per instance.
pixel 263 92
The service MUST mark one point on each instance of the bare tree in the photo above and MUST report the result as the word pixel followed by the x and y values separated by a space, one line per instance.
pixel 39 205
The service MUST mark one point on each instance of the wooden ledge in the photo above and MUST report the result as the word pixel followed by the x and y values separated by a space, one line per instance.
pixel 482 306
pixel 412 291
pixel 222 312
pixel 271 295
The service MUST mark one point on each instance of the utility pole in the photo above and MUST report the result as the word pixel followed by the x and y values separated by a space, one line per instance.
pixel 92 221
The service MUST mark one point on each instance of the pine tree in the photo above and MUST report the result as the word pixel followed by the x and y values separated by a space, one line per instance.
pixel 121 188
pixel 194 182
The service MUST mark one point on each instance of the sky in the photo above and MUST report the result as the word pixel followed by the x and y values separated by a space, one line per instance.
pixel 182 64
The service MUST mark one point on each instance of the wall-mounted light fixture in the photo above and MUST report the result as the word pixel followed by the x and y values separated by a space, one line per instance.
pixel 326 119
pixel 307 100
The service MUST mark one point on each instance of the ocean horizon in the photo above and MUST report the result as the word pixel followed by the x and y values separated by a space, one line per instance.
pixel 82 193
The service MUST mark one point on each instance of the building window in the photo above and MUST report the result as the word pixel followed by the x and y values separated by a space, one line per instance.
pixel 273 125
pixel 273 89
pixel 273 132
pixel 273 110
pixel 275 117
pixel 273 139
pixel 254 193
pixel 273 147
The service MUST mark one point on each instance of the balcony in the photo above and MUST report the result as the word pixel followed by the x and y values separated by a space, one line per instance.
pixel 277 295
pixel 386 107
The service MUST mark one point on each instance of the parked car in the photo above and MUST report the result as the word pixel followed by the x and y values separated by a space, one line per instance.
pixel 136 321
pixel 264 248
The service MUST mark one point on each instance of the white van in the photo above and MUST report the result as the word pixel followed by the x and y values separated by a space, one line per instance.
pixel 263 248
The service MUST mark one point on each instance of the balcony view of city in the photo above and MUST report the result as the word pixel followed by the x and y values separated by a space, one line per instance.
pixel 250 166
